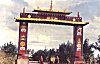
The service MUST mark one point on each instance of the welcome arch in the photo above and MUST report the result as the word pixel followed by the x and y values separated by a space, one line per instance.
pixel 51 17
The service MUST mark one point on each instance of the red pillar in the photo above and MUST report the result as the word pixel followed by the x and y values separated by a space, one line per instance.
pixel 22 46
pixel 78 42
pixel 23 29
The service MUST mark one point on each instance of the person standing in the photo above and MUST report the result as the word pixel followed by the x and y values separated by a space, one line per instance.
pixel 57 60
pixel 41 60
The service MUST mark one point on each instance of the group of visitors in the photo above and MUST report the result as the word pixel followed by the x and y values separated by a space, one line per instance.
pixel 53 60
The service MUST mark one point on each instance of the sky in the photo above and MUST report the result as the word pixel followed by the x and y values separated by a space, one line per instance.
pixel 41 36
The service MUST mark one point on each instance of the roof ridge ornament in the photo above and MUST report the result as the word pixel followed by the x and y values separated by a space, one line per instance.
pixel 24 10
pixel 51 6
pixel 78 14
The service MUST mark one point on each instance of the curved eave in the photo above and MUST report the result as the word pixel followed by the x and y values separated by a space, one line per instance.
pixel 50 21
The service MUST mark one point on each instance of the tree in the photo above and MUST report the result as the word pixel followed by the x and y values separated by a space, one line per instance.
pixel 36 56
pixel 4 59
pixel 9 49
pixel 96 45
pixel 62 52
pixel 65 52
pixel 69 50
pixel 98 61
pixel 87 51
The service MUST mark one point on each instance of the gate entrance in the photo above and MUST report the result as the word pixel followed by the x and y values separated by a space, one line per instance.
pixel 51 17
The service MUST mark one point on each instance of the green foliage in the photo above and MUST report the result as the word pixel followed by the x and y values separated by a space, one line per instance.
pixel 65 52
pixel 36 56
pixel 87 51
pixel 96 45
pixel 5 59
pixel 9 49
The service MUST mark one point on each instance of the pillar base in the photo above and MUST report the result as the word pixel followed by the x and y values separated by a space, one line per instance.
pixel 79 62
pixel 22 59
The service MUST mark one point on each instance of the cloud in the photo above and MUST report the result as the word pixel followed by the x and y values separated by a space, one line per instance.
pixel 6 2
pixel 50 35
pixel 20 3
pixel 91 31
pixel 10 9
pixel 88 9
pixel 97 18
pixel 7 35
pixel 9 29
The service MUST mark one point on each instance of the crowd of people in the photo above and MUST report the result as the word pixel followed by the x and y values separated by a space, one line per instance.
pixel 53 60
